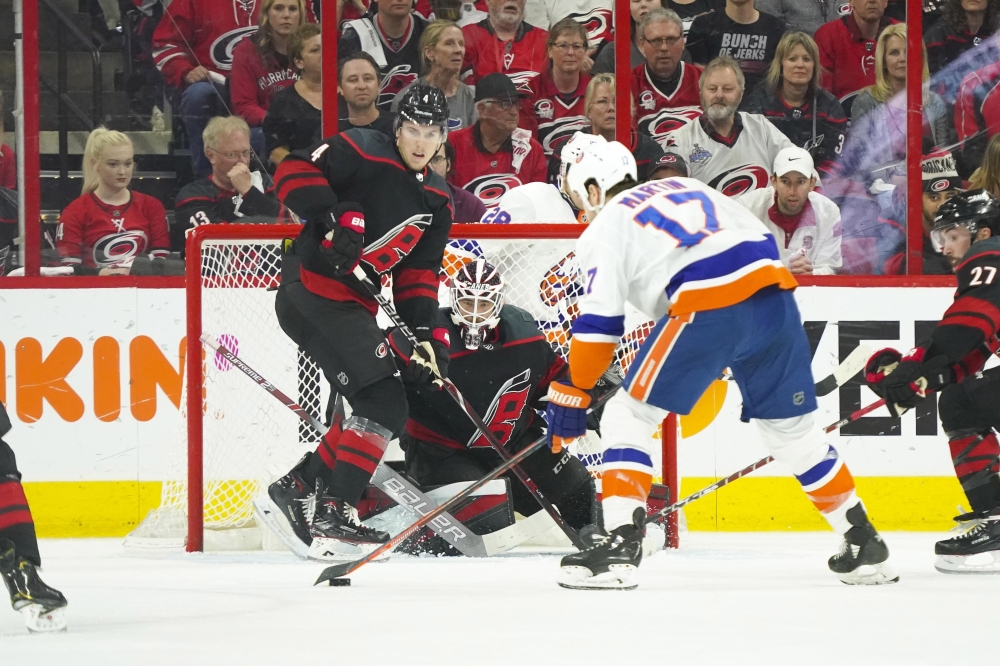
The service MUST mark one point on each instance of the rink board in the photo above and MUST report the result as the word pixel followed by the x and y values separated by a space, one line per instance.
pixel 92 383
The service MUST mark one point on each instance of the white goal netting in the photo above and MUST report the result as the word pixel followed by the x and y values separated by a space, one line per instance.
pixel 249 438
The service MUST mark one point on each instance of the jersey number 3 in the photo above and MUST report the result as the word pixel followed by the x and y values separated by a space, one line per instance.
pixel 652 216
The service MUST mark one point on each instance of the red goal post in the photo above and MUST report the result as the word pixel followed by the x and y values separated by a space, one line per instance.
pixel 232 271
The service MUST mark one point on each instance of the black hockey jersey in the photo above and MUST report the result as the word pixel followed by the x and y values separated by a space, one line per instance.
pixel 408 217
pixel 504 380
pixel 401 56
pixel 204 202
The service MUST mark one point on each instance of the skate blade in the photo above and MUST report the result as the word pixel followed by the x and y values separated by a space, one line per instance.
pixel 871 574
pixel 41 620
pixel 980 563
pixel 335 550
pixel 618 577
pixel 269 514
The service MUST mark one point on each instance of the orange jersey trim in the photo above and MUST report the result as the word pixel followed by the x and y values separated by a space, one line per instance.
pixel 588 361
pixel 731 293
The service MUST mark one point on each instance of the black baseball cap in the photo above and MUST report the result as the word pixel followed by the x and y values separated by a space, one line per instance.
pixel 499 87
pixel 672 160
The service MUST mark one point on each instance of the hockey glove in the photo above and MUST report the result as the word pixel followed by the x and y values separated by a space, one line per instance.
pixel 345 237
pixel 910 382
pixel 566 414
pixel 429 361
pixel 881 363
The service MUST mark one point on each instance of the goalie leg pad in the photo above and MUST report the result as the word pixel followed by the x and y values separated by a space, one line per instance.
pixel 564 481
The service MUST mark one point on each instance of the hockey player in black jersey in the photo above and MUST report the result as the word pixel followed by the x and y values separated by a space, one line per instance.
pixel 967 232
pixel 365 199
pixel 502 364
pixel 43 607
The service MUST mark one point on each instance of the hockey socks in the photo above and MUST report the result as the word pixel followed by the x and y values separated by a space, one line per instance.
pixel 830 486
pixel 321 463
pixel 623 490
pixel 976 460
pixel 359 451
pixel 16 524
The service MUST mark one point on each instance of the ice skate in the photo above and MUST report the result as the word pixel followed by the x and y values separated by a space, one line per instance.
pixel 975 549
pixel 337 533
pixel 611 564
pixel 863 558
pixel 287 508
pixel 43 607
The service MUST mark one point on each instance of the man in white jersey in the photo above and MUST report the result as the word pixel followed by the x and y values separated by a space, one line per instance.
pixel 728 150
pixel 709 273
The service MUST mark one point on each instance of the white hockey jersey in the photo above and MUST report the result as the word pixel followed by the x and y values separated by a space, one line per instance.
pixel 735 165
pixel 672 245
pixel 817 235
pixel 595 15
pixel 533 203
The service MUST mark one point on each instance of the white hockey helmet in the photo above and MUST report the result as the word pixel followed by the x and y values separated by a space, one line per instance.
pixel 606 163
pixel 476 300
pixel 573 150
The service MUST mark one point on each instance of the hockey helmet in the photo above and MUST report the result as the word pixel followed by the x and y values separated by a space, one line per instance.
pixel 572 150
pixel 424 105
pixel 604 163
pixel 974 210
pixel 476 300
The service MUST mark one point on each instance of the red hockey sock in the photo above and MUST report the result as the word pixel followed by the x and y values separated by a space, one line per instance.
pixel 976 460
pixel 327 449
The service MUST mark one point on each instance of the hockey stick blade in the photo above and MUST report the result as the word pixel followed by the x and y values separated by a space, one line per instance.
pixel 852 365
pixel 466 407
pixel 392 483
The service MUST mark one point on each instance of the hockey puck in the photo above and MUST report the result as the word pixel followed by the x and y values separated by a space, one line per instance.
pixel 340 582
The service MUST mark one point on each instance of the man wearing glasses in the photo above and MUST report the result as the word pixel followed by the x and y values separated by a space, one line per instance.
pixel 232 193
pixel 495 155
pixel 664 90
pixel 504 42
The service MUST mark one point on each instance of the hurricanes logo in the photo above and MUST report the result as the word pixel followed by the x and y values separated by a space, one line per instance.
pixel 393 83
pixel 867 63
pixel 941 185
pixel 505 409
pixel 389 250
pixel 119 247
pixel 223 47
pixel 491 187
pixel 554 135
pixel 740 180
pixel 522 80
pixel 543 109
pixel 665 121
pixel 646 100
pixel 597 23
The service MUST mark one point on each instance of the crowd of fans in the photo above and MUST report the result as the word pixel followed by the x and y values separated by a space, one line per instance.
pixel 722 91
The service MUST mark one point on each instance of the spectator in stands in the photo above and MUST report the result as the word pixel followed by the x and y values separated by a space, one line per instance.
pixel 977 113
pixel 192 47
pixel 555 110
pixel 805 223
pixel 350 10
pixel 294 121
pixel 392 38
pixel 442 48
pixel 605 60
pixel 877 143
pixel 805 17
pixel 261 66
pixel 741 31
pixel 963 25
pixel 793 99
pixel 940 183
pixel 231 193
pixel 689 10
pixel 8 198
pixel 109 225
pixel 8 163
pixel 665 88
pixel 358 85
pixel 668 165
pixel 847 49
pixel 505 43
pixel 987 176
pixel 468 208
pixel 595 15
pixel 599 105
pixel 494 155
pixel 727 149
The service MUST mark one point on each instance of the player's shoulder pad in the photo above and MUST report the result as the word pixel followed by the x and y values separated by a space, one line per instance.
pixel 984 252
pixel 434 183
pixel 519 323
pixel 371 143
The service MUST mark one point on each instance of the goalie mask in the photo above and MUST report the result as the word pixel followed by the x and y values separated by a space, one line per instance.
pixel 476 301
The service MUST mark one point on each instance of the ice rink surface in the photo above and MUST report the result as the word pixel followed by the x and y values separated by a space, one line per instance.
pixel 734 599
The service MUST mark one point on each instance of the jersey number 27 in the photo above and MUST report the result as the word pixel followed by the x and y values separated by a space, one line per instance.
pixel 654 217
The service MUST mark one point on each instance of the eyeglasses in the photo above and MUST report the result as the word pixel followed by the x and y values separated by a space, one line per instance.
pixel 438 159
pixel 601 103
pixel 660 42
pixel 564 47
pixel 504 104
pixel 246 154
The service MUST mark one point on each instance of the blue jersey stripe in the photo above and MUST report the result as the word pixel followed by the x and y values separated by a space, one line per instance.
pixel 591 323
pixel 819 470
pixel 724 263
pixel 627 455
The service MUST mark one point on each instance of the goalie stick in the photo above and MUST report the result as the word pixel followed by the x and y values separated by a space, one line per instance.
pixel 396 486
pixel 484 429
pixel 340 570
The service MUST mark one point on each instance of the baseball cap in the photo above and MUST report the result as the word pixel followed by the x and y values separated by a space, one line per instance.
pixel 939 172
pixel 672 160
pixel 497 86
pixel 794 159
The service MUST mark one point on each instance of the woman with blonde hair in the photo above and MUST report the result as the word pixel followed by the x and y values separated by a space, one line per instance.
pixel 987 176
pixel 793 99
pixel 108 224
pixel 599 109
pixel 442 50
pixel 261 65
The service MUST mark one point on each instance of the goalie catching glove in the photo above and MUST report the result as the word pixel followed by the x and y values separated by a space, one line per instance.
pixel 345 238
pixel 566 414
pixel 904 381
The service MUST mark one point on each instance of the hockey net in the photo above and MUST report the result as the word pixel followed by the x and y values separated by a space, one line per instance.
pixel 233 439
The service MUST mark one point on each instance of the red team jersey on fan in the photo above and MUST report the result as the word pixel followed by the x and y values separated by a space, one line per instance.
pixel 978 105
pixel 8 167
pixel 490 175
pixel 522 59
pixel 661 112
pixel 553 116
pixel 95 234
pixel 847 57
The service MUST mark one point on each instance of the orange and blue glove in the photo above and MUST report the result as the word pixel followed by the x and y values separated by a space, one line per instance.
pixel 566 414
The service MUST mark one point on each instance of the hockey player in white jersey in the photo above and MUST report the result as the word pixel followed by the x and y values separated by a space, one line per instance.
pixel 728 150
pixel 709 273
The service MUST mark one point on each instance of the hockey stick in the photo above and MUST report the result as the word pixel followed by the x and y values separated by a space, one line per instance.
pixel 484 429
pixel 389 481
pixel 852 365
pixel 339 570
